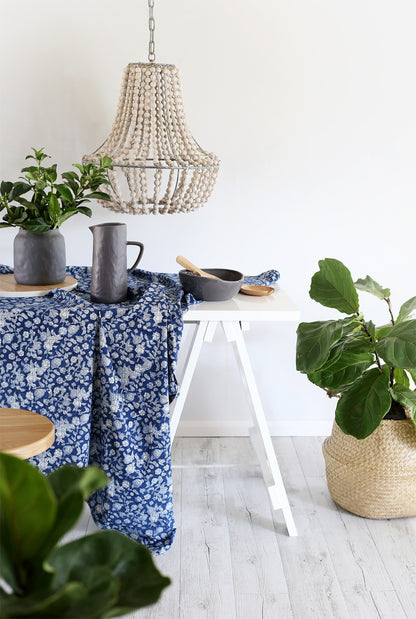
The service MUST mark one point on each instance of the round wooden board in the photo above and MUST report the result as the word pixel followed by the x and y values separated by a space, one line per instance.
pixel 10 288
pixel 24 433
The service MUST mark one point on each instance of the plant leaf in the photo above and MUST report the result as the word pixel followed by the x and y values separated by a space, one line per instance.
pixel 314 341
pixel 65 192
pixel 70 175
pixel 27 512
pixel 412 372
pixel 6 187
pixel 383 331
pixel 332 286
pixel 362 407
pixel 107 162
pixel 44 603
pixel 72 486
pixel 398 346
pixel 69 212
pixel 54 207
pixel 346 363
pixel 401 377
pixel 37 225
pixel 98 195
pixel 370 285
pixel 406 397
pixel 140 583
pixel 18 190
pixel 406 310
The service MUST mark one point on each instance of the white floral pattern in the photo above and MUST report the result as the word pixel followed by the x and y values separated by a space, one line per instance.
pixel 105 376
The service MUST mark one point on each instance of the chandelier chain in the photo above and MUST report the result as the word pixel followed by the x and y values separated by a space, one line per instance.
pixel 151 55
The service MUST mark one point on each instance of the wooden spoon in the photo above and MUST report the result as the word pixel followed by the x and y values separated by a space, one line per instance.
pixel 258 291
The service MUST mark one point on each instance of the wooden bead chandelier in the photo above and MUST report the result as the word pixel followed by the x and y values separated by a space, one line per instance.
pixel 158 166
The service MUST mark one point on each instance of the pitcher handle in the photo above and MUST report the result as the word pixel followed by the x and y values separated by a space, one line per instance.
pixel 138 257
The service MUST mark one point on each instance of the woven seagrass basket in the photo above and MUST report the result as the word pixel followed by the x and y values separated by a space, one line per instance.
pixel 374 477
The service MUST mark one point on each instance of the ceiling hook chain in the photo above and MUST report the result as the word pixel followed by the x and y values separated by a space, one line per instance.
pixel 151 55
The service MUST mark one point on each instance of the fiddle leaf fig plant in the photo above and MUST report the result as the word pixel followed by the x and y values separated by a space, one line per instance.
pixel 39 201
pixel 105 574
pixel 370 369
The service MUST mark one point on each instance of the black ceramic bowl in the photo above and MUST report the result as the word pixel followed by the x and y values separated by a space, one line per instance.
pixel 207 289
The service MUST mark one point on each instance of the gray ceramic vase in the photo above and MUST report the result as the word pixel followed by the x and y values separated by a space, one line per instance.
pixel 39 259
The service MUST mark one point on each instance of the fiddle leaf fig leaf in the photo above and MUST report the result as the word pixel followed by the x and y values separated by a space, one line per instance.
pixel 371 329
pixel 361 408
pixel 370 285
pixel 406 310
pixel 398 346
pixel 412 373
pixel 406 397
pixel 72 486
pixel 28 509
pixel 314 342
pixel 124 559
pixel 346 363
pixel 383 331
pixel 400 376
pixel 332 286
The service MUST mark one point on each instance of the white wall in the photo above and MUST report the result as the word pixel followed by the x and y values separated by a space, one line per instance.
pixel 310 105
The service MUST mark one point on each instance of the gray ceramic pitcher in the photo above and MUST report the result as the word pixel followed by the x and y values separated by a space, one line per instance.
pixel 109 262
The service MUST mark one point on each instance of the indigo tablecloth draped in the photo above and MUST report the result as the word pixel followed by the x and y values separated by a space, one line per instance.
pixel 105 376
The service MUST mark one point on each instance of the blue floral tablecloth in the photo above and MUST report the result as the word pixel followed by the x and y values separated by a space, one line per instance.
pixel 105 376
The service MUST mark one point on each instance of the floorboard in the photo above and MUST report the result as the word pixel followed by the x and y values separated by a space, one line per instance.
pixel 232 557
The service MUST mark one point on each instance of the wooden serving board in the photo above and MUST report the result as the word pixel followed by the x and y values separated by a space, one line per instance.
pixel 10 288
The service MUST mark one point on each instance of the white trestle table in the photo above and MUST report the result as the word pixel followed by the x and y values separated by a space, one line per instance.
pixel 235 317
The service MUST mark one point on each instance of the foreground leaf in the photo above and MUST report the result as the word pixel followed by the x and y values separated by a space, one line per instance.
pixel 72 486
pixel 332 286
pixel 140 583
pixel 370 285
pixel 361 409
pixel 44 604
pixel 27 512
pixel 398 346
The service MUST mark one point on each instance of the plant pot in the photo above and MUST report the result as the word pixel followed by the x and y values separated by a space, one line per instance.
pixel 374 477
pixel 39 259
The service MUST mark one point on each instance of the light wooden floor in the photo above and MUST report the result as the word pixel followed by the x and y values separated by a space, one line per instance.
pixel 232 557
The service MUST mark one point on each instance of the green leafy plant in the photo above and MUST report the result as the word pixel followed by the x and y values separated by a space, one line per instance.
pixel 105 574
pixel 51 202
pixel 370 369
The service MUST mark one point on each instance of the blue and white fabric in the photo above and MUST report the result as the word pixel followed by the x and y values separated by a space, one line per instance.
pixel 105 376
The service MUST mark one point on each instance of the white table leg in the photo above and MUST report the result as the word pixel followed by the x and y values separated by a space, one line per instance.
pixel 204 331
pixel 260 434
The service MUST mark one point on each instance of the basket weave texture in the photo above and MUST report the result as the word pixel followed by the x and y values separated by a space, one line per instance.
pixel 374 477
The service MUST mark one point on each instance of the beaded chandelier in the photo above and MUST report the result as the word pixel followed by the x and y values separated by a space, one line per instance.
pixel 158 166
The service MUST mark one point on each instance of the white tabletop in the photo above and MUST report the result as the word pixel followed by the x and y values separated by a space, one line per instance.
pixel 277 307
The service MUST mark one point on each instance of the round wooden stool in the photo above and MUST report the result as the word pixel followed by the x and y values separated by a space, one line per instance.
pixel 23 433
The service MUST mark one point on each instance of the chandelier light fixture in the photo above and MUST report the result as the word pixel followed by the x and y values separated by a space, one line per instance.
pixel 158 165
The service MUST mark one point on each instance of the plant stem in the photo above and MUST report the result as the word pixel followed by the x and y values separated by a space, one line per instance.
pixel 365 328
pixel 390 310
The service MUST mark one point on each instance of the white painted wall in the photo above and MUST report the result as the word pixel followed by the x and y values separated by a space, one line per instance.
pixel 310 106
